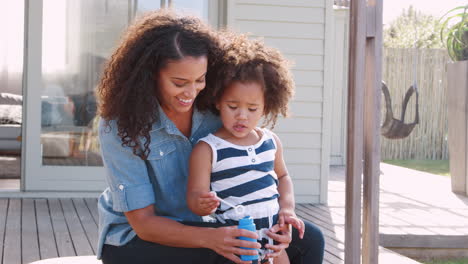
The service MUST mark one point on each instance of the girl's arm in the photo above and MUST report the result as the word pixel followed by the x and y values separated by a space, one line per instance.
pixel 287 214
pixel 199 198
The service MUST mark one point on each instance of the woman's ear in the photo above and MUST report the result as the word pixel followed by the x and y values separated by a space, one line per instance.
pixel 217 106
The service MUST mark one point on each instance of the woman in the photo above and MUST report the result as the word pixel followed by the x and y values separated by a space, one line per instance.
pixel 150 121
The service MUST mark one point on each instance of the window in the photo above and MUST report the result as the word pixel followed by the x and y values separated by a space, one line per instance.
pixel 77 38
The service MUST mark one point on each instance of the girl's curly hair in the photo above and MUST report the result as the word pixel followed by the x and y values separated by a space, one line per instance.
pixel 127 90
pixel 250 60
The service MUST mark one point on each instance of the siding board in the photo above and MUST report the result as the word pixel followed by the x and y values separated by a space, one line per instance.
pixel 307 198
pixel 306 62
pixel 304 172
pixel 301 3
pixel 306 109
pixel 308 78
pixel 298 46
pixel 308 94
pixel 300 140
pixel 301 156
pixel 305 125
pixel 306 187
pixel 281 29
pixel 283 14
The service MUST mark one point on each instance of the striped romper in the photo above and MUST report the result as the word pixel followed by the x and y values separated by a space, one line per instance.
pixel 244 175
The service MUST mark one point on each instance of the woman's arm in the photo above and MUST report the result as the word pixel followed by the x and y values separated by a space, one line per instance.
pixel 168 232
pixel 199 198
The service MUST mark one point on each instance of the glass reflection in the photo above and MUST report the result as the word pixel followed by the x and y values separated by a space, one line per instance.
pixel 77 38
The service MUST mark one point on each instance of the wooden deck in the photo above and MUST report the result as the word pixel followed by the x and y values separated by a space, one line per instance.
pixel 33 229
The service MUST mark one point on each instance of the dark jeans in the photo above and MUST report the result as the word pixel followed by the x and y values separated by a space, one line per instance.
pixel 308 250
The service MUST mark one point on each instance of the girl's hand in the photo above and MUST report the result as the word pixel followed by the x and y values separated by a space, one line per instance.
pixel 282 235
pixel 207 203
pixel 225 242
pixel 287 216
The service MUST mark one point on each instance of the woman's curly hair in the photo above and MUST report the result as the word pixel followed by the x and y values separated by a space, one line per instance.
pixel 127 90
pixel 250 60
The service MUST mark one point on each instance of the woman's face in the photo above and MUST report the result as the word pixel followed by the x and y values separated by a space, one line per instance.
pixel 180 82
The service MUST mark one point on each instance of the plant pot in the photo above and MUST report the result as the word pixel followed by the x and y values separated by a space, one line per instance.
pixel 457 99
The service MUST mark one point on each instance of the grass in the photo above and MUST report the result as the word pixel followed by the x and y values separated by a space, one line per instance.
pixel 453 261
pixel 440 167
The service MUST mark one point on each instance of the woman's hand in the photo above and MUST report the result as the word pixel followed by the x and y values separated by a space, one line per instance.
pixel 282 235
pixel 288 216
pixel 225 242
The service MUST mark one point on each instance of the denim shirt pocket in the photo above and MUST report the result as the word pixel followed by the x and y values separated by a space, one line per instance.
pixel 161 149
pixel 162 156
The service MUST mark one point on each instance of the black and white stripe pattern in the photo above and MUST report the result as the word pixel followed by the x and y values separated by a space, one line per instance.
pixel 244 175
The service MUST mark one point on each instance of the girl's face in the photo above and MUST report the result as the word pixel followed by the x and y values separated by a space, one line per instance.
pixel 241 107
pixel 180 82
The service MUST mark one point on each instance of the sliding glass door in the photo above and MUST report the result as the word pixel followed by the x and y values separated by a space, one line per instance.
pixel 68 42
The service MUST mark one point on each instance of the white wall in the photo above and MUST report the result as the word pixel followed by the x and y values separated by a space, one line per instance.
pixel 339 86
pixel 301 30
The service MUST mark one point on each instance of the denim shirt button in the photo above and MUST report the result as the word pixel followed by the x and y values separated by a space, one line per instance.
pixel 161 153
pixel 121 187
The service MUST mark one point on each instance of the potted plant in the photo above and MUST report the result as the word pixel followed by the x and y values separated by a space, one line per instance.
pixel 454 34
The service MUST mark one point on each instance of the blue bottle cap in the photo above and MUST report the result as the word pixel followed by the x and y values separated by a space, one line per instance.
pixel 246 221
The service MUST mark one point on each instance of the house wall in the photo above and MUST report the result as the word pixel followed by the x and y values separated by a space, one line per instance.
pixel 339 85
pixel 301 31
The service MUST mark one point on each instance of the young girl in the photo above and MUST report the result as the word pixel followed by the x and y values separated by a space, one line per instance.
pixel 242 164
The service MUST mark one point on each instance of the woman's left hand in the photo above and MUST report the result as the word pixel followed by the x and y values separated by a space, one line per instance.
pixel 282 236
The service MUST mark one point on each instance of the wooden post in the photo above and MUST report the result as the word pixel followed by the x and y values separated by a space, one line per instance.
pixel 356 70
pixel 363 141
pixel 370 229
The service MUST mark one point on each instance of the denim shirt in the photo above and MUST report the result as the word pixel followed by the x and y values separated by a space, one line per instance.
pixel 161 180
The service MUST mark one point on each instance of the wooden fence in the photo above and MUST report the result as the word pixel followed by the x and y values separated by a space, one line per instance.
pixel 429 138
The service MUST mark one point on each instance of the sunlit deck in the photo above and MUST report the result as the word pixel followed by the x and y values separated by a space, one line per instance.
pixel 416 210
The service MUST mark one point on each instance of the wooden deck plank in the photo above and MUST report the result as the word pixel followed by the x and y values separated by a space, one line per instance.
pixel 333 244
pixel 87 222
pixel 92 206
pixel 80 241
pixel 329 217
pixel 12 243
pixel 61 233
pixel 336 232
pixel 29 239
pixel 327 229
pixel 47 244
pixel 3 216
pixel 332 258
